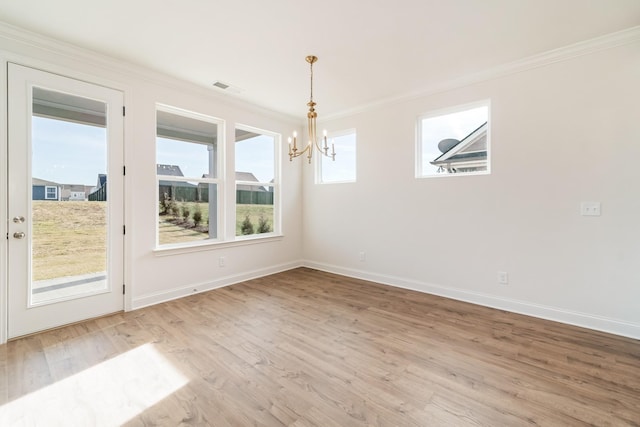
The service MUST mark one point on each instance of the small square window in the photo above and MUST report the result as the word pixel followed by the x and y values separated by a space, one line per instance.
pixel 454 142
pixel 343 168
pixel 51 193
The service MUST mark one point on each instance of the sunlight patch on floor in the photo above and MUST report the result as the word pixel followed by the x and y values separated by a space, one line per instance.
pixel 107 394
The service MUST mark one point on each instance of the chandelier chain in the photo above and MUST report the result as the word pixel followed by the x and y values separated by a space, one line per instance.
pixel 311 99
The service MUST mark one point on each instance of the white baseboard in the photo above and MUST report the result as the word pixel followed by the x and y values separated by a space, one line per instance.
pixel 613 326
pixel 171 294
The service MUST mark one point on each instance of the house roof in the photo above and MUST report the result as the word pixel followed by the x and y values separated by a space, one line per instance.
pixel 169 170
pixel 245 177
pixel 73 187
pixel 471 147
pixel 248 177
pixel 42 182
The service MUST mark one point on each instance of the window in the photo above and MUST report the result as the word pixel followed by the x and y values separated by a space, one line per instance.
pixel 343 168
pixel 256 181
pixel 187 167
pixel 454 141
pixel 50 193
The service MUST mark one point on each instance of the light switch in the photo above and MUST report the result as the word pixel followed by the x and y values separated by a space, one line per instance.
pixel 590 208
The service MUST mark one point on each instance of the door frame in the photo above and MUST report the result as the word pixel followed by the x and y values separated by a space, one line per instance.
pixel 90 72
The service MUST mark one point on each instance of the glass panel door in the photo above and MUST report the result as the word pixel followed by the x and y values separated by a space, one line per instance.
pixel 65 200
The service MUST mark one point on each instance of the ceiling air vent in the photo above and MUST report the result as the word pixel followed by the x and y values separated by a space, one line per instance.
pixel 227 87
pixel 221 85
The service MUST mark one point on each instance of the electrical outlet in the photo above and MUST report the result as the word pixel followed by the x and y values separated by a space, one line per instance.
pixel 503 277
pixel 362 256
pixel 590 208
pixel 222 261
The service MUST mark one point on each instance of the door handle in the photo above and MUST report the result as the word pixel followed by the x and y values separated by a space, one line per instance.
pixel 18 219
pixel 19 235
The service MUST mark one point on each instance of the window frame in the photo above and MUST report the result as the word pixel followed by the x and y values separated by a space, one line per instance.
pixel 46 192
pixel 319 158
pixel 218 180
pixel 277 164
pixel 419 149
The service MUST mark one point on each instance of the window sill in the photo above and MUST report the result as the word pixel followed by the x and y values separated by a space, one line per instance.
pixel 210 246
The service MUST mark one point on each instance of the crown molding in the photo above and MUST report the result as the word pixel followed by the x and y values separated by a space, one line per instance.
pixel 597 44
pixel 24 38
pixel 73 52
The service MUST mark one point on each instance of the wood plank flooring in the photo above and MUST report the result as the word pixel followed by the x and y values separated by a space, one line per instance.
pixel 306 348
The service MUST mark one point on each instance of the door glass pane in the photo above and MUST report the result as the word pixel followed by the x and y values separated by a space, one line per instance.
pixel 69 198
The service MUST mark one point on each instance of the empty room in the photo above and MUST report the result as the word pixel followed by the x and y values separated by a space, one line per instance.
pixel 315 214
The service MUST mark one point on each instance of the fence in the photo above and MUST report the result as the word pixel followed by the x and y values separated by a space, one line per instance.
pixel 100 195
pixel 201 194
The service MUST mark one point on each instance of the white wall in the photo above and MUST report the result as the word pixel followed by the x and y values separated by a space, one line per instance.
pixel 561 133
pixel 153 277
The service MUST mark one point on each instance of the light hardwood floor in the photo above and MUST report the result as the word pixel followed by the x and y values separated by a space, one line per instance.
pixel 307 348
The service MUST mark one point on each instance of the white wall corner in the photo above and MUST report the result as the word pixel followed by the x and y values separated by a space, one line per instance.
pixel 183 291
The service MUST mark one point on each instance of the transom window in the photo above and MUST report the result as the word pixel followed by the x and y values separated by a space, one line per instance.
pixel 343 168
pixel 454 141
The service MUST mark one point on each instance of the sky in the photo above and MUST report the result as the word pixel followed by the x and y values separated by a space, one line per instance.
pixel 72 153
pixel 343 168
pixel 67 153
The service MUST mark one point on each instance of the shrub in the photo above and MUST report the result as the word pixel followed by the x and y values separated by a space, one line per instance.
pixel 185 212
pixel 247 226
pixel 263 225
pixel 165 204
pixel 197 215
pixel 175 209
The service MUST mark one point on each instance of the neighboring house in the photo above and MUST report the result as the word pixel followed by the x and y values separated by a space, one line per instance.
pixel 248 177
pixel 45 190
pixel 177 190
pixel 252 194
pixel 169 170
pixel 102 180
pixel 467 155
pixel 72 192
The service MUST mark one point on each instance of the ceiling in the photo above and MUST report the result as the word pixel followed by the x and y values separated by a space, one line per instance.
pixel 368 51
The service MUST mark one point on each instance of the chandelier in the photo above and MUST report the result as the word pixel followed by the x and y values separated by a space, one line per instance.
pixel 311 127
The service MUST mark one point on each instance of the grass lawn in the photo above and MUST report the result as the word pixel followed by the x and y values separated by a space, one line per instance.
pixel 172 233
pixel 69 238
